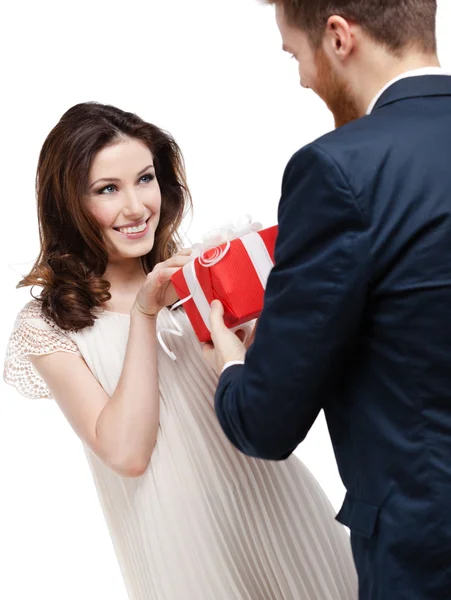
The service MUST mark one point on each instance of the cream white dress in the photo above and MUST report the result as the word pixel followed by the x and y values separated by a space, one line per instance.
pixel 204 522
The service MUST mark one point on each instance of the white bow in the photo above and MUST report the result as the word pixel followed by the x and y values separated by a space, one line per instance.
pixel 209 251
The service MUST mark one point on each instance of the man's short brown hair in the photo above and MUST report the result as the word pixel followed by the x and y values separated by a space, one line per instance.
pixel 396 24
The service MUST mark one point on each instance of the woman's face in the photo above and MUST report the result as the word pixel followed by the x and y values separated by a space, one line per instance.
pixel 124 196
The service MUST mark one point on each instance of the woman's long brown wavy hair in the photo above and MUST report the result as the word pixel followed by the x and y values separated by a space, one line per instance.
pixel 73 257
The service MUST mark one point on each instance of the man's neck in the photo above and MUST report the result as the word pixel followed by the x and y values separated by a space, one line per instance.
pixel 376 75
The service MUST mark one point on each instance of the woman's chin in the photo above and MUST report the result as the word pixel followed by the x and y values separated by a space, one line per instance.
pixel 136 250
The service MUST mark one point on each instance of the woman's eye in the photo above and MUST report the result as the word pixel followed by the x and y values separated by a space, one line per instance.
pixel 147 178
pixel 109 189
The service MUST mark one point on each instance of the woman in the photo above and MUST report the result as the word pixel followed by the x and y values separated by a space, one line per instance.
pixel 190 517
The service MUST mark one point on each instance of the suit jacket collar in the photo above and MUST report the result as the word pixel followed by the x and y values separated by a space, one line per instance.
pixel 415 87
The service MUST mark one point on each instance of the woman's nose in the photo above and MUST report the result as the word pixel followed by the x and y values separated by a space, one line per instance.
pixel 133 206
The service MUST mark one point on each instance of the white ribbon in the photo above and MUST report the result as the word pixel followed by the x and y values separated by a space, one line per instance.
pixel 176 331
pixel 209 253
pixel 259 255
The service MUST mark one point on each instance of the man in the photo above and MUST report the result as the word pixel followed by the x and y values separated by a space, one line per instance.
pixel 357 315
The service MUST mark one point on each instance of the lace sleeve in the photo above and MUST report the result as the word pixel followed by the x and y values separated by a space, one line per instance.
pixel 33 334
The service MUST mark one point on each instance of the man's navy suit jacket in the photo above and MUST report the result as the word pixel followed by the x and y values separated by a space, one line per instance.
pixel 357 321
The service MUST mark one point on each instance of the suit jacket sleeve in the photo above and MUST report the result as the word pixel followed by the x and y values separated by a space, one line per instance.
pixel 313 305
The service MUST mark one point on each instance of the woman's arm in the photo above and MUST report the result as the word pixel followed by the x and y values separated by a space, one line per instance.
pixel 121 430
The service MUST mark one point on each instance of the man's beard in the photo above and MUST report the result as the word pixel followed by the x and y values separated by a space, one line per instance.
pixel 336 93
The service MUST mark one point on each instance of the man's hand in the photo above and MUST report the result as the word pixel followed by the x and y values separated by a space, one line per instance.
pixel 226 346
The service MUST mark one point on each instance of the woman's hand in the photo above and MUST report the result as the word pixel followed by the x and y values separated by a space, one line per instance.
pixel 157 291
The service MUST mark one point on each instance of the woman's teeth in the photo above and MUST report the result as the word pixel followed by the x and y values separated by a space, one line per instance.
pixel 136 229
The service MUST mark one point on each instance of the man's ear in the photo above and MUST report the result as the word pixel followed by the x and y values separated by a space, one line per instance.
pixel 339 37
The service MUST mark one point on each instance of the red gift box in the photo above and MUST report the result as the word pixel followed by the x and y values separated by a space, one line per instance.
pixel 234 273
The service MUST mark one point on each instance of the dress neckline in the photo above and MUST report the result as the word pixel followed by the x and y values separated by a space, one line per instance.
pixel 112 312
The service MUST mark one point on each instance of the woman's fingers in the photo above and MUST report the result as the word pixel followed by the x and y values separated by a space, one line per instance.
pixel 164 274
pixel 179 260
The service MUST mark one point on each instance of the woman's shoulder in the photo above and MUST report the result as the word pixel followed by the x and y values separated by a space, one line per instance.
pixel 32 315
pixel 33 334
pixel 33 328
pixel 32 310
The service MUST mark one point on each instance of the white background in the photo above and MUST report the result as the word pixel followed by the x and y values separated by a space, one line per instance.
pixel 214 75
